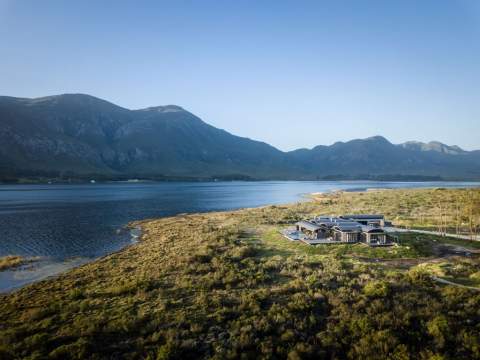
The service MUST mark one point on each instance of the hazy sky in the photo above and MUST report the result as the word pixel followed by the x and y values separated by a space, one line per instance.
pixel 291 73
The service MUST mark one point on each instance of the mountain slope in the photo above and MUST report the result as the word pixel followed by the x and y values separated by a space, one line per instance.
pixel 433 146
pixel 80 135
pixel 377 156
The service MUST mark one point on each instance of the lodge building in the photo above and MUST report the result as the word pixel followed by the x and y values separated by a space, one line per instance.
pixel 343 229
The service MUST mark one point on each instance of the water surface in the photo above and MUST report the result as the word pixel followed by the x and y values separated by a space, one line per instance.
pixel 70 224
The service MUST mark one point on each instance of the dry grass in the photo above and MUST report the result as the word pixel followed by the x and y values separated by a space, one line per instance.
pixel 456 210
pixel 225 285
pixel 11 261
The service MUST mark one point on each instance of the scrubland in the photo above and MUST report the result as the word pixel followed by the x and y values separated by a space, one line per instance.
pixel 228 285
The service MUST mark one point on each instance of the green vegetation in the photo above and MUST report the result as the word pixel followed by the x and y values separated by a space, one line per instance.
pixel 228 285
pixel 171 143
pixel 444 210
pixel 9 262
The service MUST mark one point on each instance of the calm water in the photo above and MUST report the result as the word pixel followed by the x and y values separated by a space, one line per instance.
pixel 69 224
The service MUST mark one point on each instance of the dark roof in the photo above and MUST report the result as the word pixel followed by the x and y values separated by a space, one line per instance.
pixel 362 216
pixel 349 223
pixel 348 227
pixel 330 222
pixel 371 229
pixel 326 223
pixel 323 218
pixel 308 225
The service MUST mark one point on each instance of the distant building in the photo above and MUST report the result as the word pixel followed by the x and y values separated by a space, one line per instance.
pixel 347 232
pixel 373 235
pixel 344 229
pixel 366 219
pixel 310 229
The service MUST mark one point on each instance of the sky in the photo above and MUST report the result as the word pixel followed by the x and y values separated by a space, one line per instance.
pixel 291 73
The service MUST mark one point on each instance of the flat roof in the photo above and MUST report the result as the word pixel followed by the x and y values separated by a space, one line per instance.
pixel 308 225
pixel 371 229
pixel 325 223
pixel 332 219
pixel 363 216
pixel 348 227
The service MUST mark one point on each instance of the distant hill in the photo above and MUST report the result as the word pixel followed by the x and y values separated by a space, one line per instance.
pixel 76 135
pixel 377 157
pixel 433 146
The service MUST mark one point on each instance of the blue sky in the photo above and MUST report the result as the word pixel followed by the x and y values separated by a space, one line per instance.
pixel 291 73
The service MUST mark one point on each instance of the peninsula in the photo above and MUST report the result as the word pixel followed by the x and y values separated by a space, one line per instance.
pixel 229 285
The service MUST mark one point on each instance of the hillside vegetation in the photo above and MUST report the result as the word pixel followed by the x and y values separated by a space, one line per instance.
pixel 445 210
pixel 8 262
pixel 77 136
pixel 228 285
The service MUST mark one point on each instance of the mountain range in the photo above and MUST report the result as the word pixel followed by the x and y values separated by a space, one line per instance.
pixel 81 136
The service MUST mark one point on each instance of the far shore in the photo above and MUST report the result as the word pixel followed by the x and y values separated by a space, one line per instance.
pixel 100 179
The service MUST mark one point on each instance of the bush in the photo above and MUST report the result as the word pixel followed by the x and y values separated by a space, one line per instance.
pixel 376 289
pixel 76 294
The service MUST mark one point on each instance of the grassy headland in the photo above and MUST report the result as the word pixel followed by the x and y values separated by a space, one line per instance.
pixel 10 261
pixel 228 285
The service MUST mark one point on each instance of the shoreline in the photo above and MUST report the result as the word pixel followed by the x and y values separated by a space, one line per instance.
pixel 57 268
pixel 197 283
pixel 62 267
pixel 467 182
pixel 100 180
pixel 37 268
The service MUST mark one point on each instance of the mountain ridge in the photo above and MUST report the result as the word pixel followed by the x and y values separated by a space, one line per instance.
pixel 80 135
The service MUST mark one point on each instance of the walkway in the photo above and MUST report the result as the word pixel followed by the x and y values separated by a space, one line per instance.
pixel 448 282
pixel 438 233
